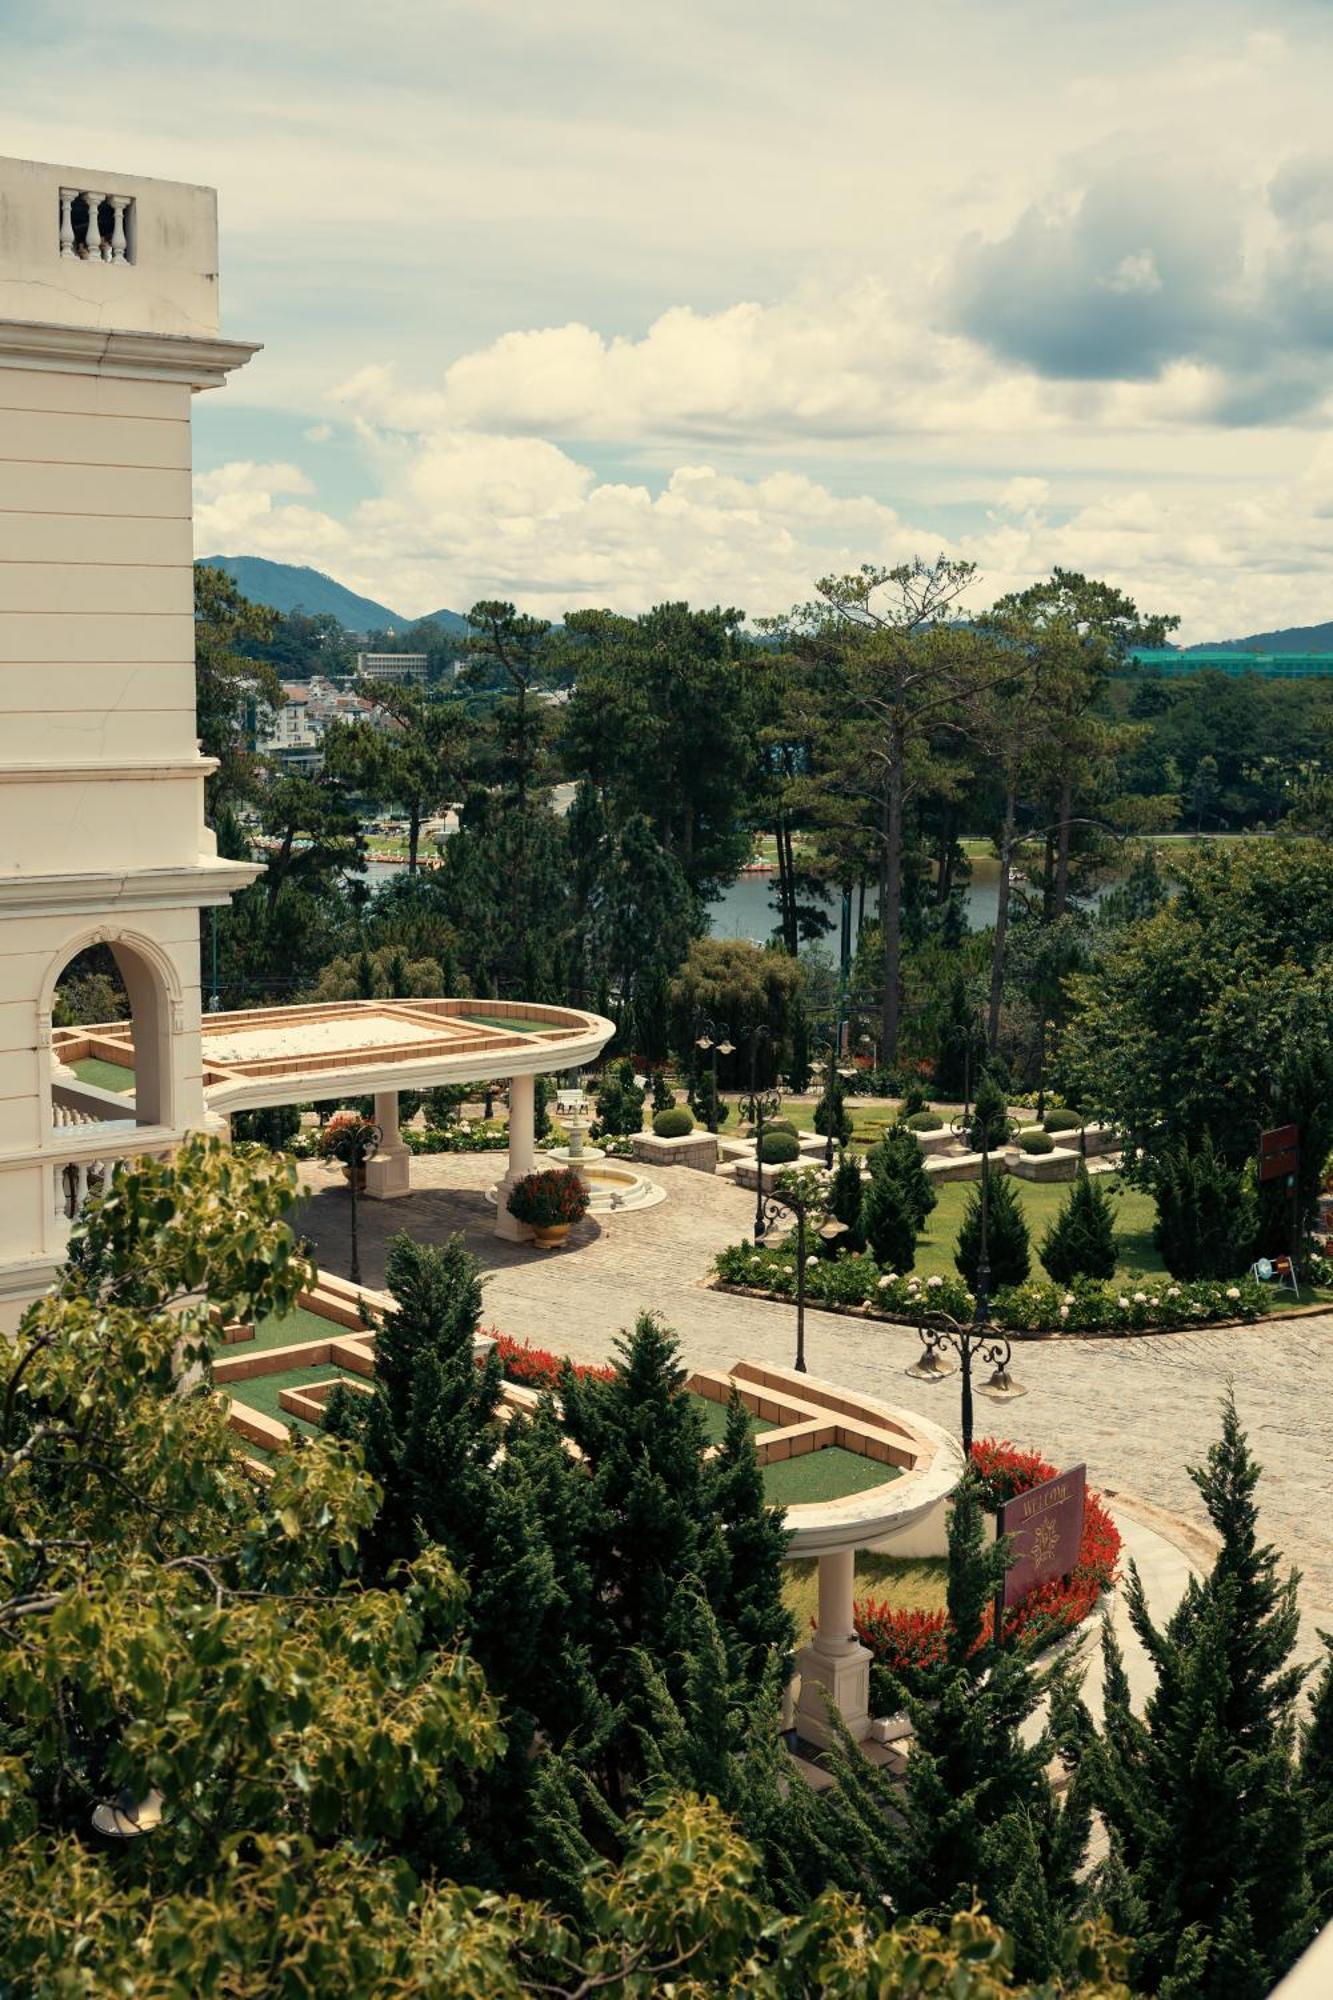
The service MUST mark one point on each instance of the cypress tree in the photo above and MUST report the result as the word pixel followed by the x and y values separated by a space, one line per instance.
pixel 990 1116
pixel 831 1114
pixel 1202 1797
pixel 1316 1772
pixel 1008 1248
pixel 1080 1243
pixel 888 1220
pixel 976 1817
pixel 899 1154
pixel 1207 1218
pixel 748 1602
pixel 845 1195
pixel 961 1044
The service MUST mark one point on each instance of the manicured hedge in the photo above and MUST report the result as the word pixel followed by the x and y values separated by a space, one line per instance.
pixel 924 1121
pixel 1035 1142
pixel 779 1149
pixel 675 1123
pixel 1062 1121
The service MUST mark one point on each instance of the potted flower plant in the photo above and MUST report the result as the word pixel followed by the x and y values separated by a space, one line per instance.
pixel 549 1203
pixel 351 1138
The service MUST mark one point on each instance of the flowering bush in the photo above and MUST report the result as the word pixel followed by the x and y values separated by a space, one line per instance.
pixel 538 1367
pixel 545 1201
pixel 907 1642
pixel 1088 1305
pixel 460 1138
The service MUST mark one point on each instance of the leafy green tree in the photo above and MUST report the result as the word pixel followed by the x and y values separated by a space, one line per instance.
pixel 664 1097
pixel 1202 1796
pixel 619 1100
pixel 1008 1248
pixel 962 1044
pixel 382 973
pixel 513 660
pixel 233 690
pixel 731 980
pixel 1207 1222
pixel 845 1194
pixel 1081 1242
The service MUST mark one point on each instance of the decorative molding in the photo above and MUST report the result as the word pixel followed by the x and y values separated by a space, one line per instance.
pixel 206 882
pixel 149 771
pixel 203 361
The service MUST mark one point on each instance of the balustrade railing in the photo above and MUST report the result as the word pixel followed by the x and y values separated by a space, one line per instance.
pixel 96 227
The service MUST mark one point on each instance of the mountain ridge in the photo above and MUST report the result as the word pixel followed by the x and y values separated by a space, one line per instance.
pixel 289 587
pixel 1291 639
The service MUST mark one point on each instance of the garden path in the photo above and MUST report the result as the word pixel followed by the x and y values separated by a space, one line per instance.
pixel 1140 1411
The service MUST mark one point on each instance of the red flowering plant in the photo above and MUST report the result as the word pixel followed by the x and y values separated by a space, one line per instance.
pixel 546 1200
pixel 346 1136
pixel 905 1640
pixel 537 1367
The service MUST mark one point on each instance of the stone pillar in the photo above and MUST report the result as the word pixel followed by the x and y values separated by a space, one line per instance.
pixel 835 1666
pixel 388 1171
pixel 522 1155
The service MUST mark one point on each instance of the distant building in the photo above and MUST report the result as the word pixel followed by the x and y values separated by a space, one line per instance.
pixel 1174 665
pixel 400 667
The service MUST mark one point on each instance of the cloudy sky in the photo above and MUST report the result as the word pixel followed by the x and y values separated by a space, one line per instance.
pixel 600 301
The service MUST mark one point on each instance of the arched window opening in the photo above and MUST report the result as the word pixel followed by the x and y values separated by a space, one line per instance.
pixel 111 1037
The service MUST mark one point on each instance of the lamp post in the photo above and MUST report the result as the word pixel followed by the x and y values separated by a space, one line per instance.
pixel 760 1104
pixel 980 1337
pixel 354 1144
pixel 786 1195
pixel 832 1070
pixel 716 1042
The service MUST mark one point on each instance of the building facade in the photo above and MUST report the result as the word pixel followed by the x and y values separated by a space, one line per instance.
pixel 399 667
pixel 108 328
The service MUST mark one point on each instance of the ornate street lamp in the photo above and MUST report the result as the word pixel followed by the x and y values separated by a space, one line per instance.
pixel 830 1069
pixel 716 1042
pixel 353 1144
pixel 981 1337
pixel 759 1106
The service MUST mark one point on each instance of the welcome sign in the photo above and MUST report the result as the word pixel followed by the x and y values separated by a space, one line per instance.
pixel 1045 1526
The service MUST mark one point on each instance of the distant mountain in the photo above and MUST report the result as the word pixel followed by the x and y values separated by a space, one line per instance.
pixel 1294 639
pixel 292 587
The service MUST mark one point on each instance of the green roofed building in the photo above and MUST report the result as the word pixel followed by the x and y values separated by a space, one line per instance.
pixel 1172 663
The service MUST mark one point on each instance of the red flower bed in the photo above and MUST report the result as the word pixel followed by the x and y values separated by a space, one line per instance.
pixel 907 1640
pixel 537 1367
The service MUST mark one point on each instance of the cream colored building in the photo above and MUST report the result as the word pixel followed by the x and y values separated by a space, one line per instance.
pixel 108 327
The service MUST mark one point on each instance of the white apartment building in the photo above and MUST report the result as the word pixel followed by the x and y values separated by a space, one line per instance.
pixel 108 328
pixel 400 667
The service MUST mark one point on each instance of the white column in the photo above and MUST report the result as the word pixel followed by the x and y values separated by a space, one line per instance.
pixel 93 240
pixel 389 1171
pixel 118 242
pixel 835 1666
pixel 522 1155
pixel 67 200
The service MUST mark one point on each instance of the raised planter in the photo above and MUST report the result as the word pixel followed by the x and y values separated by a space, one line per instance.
pixel 1060 1164
pixel 697 1149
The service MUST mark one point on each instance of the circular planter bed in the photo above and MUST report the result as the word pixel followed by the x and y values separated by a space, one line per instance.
pixel 906 1641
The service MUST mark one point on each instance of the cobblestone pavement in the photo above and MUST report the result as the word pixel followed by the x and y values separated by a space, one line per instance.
pixel 1139 1411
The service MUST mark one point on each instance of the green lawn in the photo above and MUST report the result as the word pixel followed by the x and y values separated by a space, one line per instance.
pixel 831 1474
pixel 261 1392
pixel 913 1583
pixel 298 1324
pixel 103 1075
pixel 1135 1215
pixel 519 1026
pixel 715 1418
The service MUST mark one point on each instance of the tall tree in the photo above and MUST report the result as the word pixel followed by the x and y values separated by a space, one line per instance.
pixel 416 757
pixel 233 689
pixel 512 657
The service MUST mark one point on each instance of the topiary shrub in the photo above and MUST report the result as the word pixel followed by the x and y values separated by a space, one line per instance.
pixel 1080 1243
pixel 990 1117
pixel 1036 1142
pixel 844 1199
pixel 1009 1251
pixel 664 1097
pixel 924 1121
pixel 781 1125
pixel 779 1149
pixel 620 1100
pixel 1062 1121
pixel 673 1124
pixel 831 1113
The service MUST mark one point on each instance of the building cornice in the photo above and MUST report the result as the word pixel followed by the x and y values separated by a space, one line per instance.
pixel 205 882
pixel 201 360
pixel 143 771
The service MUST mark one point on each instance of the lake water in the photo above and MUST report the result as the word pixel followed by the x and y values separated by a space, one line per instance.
pixel 745 909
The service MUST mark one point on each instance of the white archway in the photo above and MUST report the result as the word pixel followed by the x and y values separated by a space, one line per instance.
pixel 152 985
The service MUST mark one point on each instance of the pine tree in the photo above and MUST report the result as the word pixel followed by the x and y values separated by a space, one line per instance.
pixel 977 1817
pixel 1316 1771
pixel 1008 1249
pixel 831 1114
pixel 1207 1217
pixel 664 1097
pixel 888 1221
pixel 899 1154
pixel 1202 1798
pixel 1081 1243
pixel 961 1044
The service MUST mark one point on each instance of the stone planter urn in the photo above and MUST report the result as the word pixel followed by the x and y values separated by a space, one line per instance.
pixel 552 1236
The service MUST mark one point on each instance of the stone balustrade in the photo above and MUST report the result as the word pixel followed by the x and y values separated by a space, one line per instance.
pixel 96 227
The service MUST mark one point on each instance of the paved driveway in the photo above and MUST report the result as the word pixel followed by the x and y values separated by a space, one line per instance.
pixel 1139 1411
